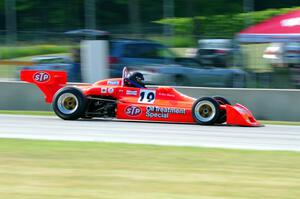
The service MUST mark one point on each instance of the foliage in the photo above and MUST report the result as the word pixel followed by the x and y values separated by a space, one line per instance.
pixel 222 26
pixel 62 15
pixel 175 41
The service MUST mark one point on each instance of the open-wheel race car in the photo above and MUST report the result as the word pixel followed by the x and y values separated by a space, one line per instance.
pixel 123 98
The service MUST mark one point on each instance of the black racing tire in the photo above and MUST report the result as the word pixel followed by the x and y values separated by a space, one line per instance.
pixel 206 111
pixel 69 103
pixel 222 101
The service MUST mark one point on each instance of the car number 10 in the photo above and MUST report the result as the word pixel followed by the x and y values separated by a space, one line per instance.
pixel 147 96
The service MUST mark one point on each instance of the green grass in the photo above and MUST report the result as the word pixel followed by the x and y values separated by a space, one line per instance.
pixel 13 112
pixel 48 169
pixel 176 41
pixel 9 52
pixel 280 122
pixel 9 71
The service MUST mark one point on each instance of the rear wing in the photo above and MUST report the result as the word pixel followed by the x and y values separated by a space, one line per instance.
pixel 49 82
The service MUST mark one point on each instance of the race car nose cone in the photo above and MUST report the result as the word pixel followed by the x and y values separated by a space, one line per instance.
pixel 241 116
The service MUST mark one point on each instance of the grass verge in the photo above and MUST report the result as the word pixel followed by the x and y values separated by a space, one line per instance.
pixel 9 71
pixel 13 112
pixel 49 169
pixel 280 122
pixel 9 52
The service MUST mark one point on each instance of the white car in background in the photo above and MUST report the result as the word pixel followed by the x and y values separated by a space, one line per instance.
pixel 273 55
pixel 218 52
pixel 283 54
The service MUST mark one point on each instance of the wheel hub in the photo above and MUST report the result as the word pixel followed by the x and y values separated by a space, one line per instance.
pixel 205 111
pixel 67 103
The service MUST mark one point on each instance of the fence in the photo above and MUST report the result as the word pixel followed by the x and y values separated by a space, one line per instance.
pixel 262 72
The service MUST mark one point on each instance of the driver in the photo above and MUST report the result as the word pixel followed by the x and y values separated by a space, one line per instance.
pixel 135 79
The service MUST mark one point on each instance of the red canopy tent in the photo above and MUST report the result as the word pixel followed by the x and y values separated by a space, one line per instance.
pixel 281 28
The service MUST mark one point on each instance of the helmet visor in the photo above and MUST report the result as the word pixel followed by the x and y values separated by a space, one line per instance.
pixel 140 80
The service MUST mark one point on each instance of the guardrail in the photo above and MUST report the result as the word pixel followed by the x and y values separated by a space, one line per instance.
pixel 267 104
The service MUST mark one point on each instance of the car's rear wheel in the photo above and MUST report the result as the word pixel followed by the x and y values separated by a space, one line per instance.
pixel 69 103
pixel 222 101
pixel 206 111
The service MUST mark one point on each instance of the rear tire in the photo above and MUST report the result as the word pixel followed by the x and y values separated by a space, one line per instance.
pixel 222 101
pixel 206 111
pixel 69 103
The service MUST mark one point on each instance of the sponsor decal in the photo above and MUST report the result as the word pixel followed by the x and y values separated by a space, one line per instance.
pixel 112 82
pixel 133 111
pixel 290 22
pixel 41 77
pixel 110 90
pixel 166 94
pixel 103 90
pixel 130 92
pixel 162 112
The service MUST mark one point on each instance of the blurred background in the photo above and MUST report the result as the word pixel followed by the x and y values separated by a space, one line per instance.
pixel 172 42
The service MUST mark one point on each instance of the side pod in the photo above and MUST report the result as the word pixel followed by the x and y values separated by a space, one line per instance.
pixel 239 115
pixel 49 82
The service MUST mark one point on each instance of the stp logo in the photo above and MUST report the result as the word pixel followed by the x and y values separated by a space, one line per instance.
pixel 133 111
pixel 41 77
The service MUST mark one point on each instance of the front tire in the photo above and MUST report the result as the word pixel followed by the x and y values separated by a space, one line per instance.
pixel 206 111
pixel 69 103
pixel 222 101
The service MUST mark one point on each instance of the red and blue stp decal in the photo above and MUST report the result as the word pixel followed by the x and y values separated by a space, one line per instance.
pixel 41 77
pixel 133 111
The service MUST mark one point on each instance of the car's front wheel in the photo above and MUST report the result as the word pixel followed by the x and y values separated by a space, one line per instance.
pixel 222 101
pixel 206 111
pixel 69 103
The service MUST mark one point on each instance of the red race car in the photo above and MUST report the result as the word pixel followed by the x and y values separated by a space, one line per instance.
pixel 128 98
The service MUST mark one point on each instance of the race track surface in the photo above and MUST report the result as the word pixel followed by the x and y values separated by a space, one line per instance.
pixel 270 137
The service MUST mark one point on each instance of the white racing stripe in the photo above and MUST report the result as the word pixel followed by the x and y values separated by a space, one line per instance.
pixel 271 137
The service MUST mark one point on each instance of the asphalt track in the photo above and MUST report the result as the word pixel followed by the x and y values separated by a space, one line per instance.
pixel 270 137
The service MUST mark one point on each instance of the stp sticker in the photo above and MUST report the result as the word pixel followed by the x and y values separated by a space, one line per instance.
pixel 41 77
pixel 133 111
